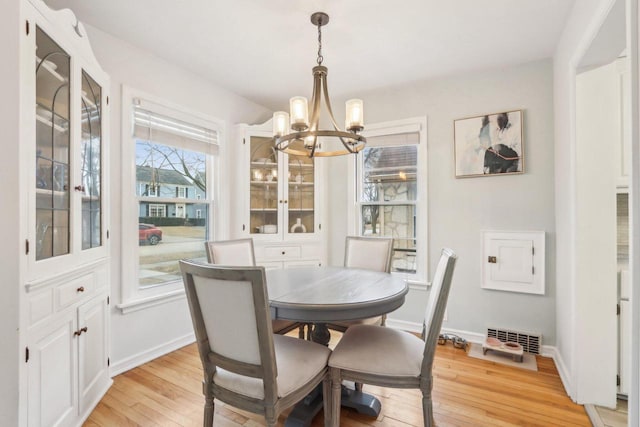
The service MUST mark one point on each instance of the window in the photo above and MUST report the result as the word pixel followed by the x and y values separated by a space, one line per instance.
pixel 151 190
pixel 173 157
pixel 391 192
pixel 157 211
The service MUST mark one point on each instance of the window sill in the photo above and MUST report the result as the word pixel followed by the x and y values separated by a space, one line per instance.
pixel 148 302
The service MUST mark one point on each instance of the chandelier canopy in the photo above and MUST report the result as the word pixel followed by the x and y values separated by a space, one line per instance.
pixel 297 133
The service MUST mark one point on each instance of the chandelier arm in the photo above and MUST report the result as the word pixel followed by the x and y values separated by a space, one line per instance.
pixel 348 146
pixel 315 102
pixel 313 146
pixel 328 104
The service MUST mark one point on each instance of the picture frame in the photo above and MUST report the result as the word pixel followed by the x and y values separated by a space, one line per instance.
pixel 489 144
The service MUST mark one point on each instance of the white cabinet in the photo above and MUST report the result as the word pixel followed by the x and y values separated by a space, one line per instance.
pixel 67 345
pixel 63 151
pixel 513 261
pixel 279 202
pixel 67 365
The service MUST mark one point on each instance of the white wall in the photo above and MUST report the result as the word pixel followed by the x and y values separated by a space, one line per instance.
pixel 11 248
pixel 582 26
pixel 141 335
pixel 460 208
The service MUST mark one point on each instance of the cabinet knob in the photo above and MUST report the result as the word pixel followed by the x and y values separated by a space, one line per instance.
pixel 286 201
pixel 80 289
pixel 79 188
pixel 79 332
pixel 283 253
pixel 280 201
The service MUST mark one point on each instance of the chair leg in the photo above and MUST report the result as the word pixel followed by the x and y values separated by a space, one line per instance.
pixel 309 331
pixel 336 394
pixel 301 331
pixel 208 411
pixel 427 405
pixel 327 398
pixel 271 417
pixel 358 386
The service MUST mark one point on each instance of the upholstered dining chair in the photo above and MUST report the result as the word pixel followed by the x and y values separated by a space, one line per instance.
pixel 239 252
pixel 248 366
pixel 367 253
pixel 389 357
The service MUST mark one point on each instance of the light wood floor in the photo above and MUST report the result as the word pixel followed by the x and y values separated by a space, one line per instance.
pixel 467 392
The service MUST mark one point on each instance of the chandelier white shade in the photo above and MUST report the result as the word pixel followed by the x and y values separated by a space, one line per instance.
pixel 299 132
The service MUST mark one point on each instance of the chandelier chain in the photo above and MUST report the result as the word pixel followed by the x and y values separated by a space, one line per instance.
pixel 320 57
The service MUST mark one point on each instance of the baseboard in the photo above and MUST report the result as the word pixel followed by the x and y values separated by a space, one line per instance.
pixel 563 372
pixel 593 415
pixel 146 356
pixel 474 337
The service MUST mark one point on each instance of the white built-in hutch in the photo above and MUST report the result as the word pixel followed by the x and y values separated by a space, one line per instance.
pixel 64 278
pixel 279 202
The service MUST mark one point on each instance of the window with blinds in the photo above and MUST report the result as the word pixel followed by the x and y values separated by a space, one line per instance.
pixel 173 161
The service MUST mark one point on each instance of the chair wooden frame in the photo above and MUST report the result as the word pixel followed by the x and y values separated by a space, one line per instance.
pixel 342 327
pixel 209 246
pixel 431 330
pixel 271 405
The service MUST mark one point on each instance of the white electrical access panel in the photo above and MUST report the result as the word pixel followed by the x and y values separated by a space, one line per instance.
pixel 513 261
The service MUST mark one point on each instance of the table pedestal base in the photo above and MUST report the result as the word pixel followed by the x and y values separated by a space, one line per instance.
pixel 304 411
pixel 363 403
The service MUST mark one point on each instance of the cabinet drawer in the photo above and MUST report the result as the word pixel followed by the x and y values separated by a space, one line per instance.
pixel 75 289
pixel 282 252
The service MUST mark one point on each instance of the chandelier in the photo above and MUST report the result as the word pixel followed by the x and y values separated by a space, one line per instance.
pixel 297 133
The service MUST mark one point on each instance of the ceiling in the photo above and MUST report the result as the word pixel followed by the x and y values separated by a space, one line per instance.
pixel 264 50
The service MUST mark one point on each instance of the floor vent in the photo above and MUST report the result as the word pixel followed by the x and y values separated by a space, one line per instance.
pixel 530 343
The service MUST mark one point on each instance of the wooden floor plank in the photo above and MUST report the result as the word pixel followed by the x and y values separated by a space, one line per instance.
pixel 467 392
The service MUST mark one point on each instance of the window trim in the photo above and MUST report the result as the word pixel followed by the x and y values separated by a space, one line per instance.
pixel 418 280
pixel 134 297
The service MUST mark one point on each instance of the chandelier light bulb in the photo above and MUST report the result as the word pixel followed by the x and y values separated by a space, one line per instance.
pixel 299 113
pixel 355 114
pixel 280 123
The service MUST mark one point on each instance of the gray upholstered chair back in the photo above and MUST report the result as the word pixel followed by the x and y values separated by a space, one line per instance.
pixel 231 252
pixel 222 296
pixel 436 305
pixel 368 253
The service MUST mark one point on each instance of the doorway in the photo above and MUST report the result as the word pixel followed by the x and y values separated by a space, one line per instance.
pixel 603 148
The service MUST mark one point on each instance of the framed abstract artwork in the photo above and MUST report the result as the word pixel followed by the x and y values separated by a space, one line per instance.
pixel 490 144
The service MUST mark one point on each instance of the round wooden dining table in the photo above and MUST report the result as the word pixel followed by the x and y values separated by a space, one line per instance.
pixel 321 295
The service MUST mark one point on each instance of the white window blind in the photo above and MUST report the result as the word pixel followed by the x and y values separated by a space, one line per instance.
pixel 412 138
pixel 151 125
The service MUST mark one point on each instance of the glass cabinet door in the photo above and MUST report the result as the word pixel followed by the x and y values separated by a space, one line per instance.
pixel 91 162
pixel 264 201
pixel 301 194
pixel 52 148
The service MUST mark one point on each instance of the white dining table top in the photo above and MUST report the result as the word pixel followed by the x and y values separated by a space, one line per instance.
pixel 326 294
